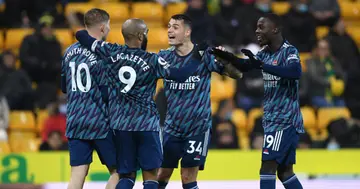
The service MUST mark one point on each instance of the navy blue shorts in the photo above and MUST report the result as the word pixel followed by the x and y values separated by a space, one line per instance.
pixel 281 146
pixel 81 151
pixel 137 149
pixel 192 151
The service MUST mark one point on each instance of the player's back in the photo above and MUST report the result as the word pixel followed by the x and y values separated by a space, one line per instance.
pixel 86 110
pixel 133 75
pixel 281 95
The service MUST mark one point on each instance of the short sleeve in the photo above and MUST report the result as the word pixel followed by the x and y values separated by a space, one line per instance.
pixel 209 61
pixel 161 67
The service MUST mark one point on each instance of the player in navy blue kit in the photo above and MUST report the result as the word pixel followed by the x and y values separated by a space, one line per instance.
pixel 186 133
pixel 133 74
pixel 282 120
pixel 87 126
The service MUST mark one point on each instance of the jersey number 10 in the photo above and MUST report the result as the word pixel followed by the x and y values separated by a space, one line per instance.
pixel 76 80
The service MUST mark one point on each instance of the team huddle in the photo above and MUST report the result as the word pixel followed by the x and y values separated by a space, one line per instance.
pixel 110 90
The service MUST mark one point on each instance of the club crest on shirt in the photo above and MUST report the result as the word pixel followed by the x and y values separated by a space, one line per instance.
pixel 275 63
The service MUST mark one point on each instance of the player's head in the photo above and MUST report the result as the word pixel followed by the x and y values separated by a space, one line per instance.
pixel 97 21
pixel 135 33
pixel 179 29
pixel 268 28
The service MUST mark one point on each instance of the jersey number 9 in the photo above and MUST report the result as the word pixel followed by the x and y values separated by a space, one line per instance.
pixel 76 77
pixel 130 80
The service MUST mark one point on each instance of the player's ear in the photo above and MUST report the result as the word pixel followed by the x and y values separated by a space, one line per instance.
pixel 140 36
pixel 102 28
pixel 187 32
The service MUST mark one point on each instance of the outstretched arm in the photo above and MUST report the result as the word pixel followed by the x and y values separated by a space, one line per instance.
pixel 101 48
pixel 243 65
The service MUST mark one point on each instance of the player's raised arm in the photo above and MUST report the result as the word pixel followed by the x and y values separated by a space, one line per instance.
pixel 99 47
pixel 291 69
pixel 221 66
pixel 181 74
pixel 242 65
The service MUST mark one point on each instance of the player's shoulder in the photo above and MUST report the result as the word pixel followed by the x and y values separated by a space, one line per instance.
pixel 167 51
pixel 289 48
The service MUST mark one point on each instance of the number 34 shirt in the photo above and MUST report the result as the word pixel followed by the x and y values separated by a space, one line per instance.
pixel 132 77
pixel 86 111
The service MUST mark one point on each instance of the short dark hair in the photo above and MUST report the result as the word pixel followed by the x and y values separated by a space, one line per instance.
pixel 183 17
pixel 275 19
pixel 95 16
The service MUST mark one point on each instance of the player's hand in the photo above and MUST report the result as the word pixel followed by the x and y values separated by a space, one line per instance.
pixel 84 38
pixel 256 63
pixel 221 54
pixel 199 50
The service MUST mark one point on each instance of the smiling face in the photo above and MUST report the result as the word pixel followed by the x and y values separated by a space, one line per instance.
pixel 178 32
pixel 265 31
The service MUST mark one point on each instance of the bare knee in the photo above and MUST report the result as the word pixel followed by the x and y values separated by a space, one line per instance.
pixel 189 175
pixel 284 172
pixel 164 174
pixel 80 171
pixel 150 174
pixel 268 167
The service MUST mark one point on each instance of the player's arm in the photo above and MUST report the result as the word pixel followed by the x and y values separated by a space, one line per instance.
pixel 290 70
pixel 183 73
pixel 243 65
pixel 102 48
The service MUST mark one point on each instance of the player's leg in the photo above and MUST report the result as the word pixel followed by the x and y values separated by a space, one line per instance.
pixel 107 154
pixel 196 149
pixel 125 158
pixel 285 170
pixel 268 174
pixel 172 152
pixel 80 159
pixel 150 157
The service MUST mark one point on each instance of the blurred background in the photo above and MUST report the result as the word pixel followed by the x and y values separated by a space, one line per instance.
pixel 35 33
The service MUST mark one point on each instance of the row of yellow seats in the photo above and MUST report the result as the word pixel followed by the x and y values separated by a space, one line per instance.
pixel 153 13
pixel 13 38
pixel 26 121
pixel 349 10
pixel 312 120
pixel 353 31
pixel 20 146
pixel 315 126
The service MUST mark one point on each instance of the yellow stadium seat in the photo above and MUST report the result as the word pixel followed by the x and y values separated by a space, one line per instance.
pixel 326 115
pixel 174 8
pixel 239 119
pixel 119 12
pixel 244 139
pixel 354 32
pixel 65 37
pixel 230 85
pixel 303 58
pixel 321 31
pixel 157 38
pixel 217 90
pixel 280 8
pixel 1 40
pixel 4 147
pixel 252 116
pixel 214 107
pixel 25 145
pixel 78 7
pixel 22 120
pixel 309 117
pixel 350 10
pixel 14 37
pixel 115 36
pixel 40 121
pixel 151 12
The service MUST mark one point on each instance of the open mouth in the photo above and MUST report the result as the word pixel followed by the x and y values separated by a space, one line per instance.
pixel 171 37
